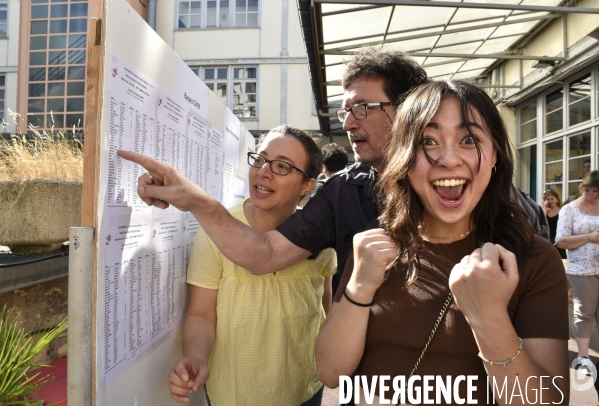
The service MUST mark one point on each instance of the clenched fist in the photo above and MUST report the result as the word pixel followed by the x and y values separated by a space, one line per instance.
pixel 374 252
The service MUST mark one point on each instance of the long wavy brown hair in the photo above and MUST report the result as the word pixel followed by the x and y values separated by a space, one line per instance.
pixel 496 218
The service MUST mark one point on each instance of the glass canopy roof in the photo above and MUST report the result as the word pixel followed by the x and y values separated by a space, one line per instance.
pixel 451 40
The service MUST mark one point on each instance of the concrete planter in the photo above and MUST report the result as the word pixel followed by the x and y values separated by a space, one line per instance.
pixel 35 215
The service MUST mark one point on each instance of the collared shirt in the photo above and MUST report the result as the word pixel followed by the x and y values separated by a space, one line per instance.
pixel 344 206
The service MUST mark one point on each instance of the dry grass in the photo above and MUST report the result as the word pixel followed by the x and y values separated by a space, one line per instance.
pixel 41 155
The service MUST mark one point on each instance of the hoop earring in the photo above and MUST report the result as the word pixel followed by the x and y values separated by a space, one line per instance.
pixel 494 170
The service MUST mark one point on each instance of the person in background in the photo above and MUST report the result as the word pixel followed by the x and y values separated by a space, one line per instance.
pixel 334 159
pixel 551 206
pixel 456 269
pixel 578 232
pixel 251 338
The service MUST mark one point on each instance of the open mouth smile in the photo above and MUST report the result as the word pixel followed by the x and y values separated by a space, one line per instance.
pixel 262 190
pixel 450 191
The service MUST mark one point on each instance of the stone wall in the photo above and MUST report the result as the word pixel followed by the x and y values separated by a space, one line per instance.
pixel 41 307
pixel 35 215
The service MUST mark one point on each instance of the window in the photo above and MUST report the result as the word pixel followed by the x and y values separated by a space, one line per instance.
pixel 57 56
pixel 246 13
pixel 244 92
pixel 3 19
pixel 528 122
pixel 216 78
pixel 554 162
pixel 190 15
pixel 579 103
pixel 217 13
pixel 236 86
pixel 570 137
pixel 579 150
pixel 527 170
pixel 2 97
pixel 554 107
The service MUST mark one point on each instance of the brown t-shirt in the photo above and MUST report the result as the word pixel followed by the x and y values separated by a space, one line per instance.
pixel 402 318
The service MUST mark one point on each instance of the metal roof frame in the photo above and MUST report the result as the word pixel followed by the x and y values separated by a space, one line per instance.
pixel 457 4
pixel 321 46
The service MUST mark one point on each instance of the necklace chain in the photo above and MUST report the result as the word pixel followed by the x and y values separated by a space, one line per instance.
pixel 453 237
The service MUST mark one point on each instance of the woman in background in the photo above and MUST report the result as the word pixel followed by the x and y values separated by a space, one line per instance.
pixel 250 338
pixel 578 232
pixel 551 206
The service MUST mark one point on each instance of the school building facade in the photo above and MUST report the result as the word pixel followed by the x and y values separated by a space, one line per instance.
pixel 249 52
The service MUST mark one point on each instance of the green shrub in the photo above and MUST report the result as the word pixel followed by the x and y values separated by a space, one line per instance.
pixel 17 350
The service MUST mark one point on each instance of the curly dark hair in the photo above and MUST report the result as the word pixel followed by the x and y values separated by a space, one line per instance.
pixel 335 157
pixel 312 151
pixel 400 73
pixel 497 217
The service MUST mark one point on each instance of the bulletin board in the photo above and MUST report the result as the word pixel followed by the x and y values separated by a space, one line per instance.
pixel 142 97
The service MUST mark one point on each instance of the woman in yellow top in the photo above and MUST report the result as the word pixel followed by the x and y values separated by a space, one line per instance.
pixel 251 338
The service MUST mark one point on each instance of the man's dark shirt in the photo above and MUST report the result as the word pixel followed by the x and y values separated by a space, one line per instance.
pixel 344 206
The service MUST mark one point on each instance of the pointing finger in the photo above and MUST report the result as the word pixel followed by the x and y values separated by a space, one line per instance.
pixel 149 164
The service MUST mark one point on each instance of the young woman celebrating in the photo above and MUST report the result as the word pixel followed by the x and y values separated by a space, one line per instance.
pixel 251 338
pixel 551 206
pixel 455 284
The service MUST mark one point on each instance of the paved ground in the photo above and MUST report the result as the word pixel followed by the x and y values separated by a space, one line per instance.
pixel 587 397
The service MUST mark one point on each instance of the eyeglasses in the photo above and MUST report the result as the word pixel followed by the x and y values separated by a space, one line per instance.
pixel 276 166
pixel 360 110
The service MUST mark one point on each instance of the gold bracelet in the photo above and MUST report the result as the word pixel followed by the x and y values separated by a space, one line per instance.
pixel 507 361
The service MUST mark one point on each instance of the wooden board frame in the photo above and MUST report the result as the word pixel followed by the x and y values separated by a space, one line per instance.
pixel 91 161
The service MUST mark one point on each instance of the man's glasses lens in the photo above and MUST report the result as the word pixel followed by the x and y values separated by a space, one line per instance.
pixel 358 110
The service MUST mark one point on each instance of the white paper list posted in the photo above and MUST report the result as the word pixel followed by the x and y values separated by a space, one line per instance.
pixel 145 250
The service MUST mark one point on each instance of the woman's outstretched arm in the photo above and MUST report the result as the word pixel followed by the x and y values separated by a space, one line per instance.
pixel 271 251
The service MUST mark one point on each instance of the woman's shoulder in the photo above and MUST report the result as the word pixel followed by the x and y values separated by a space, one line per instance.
pixel 325 264
pixel 539 243
pixel 542 253
pixel 325 256
pixel 571 207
